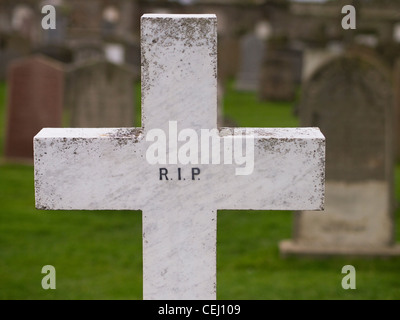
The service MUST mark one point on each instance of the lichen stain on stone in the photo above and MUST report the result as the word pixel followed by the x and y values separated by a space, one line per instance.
pixel 190 31
pixel 42 207
pixel 131 133
pixel 63 144
pixel 125 135
pixel 157 33
pixel 276 144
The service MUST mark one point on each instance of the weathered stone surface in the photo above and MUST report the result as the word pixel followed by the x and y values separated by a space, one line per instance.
pixel 315 58
pixel 294 178
pixel 351 100
pixel 108 168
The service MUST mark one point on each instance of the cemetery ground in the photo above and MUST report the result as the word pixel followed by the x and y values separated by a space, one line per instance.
pixel 98 254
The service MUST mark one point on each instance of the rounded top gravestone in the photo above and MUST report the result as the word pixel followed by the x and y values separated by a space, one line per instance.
pixel 35 99
pixel 350 98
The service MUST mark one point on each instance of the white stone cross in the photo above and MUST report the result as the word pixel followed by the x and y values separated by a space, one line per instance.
pixel 110 168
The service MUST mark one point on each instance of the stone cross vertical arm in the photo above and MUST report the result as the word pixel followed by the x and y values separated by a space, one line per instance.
pixel 93 169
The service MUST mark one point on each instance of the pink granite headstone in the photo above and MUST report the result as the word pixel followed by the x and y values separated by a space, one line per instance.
pixel 35 99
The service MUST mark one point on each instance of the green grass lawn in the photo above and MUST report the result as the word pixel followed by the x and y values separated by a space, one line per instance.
pixel 97 255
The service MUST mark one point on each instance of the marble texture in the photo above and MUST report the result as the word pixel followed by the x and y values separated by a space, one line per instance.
pixel 106 168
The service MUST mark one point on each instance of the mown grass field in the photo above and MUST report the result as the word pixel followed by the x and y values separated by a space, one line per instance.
pixel 97 255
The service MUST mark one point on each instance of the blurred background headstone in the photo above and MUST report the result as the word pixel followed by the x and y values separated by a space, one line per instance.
pixel 350 99
pixel 253 48
pixel 100 94
pixel 35 91
pixel 396 86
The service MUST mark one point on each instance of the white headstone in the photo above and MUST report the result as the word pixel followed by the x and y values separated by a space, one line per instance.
pixel 110 168
pixel 314 58
pixel 114 53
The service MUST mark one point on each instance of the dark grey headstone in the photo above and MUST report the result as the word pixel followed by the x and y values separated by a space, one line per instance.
pixel 277 80
pixel 351 100
pixel 101 94
pixel 252 51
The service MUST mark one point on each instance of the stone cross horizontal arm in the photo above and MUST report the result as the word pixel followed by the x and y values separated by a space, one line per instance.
pixel 108 168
